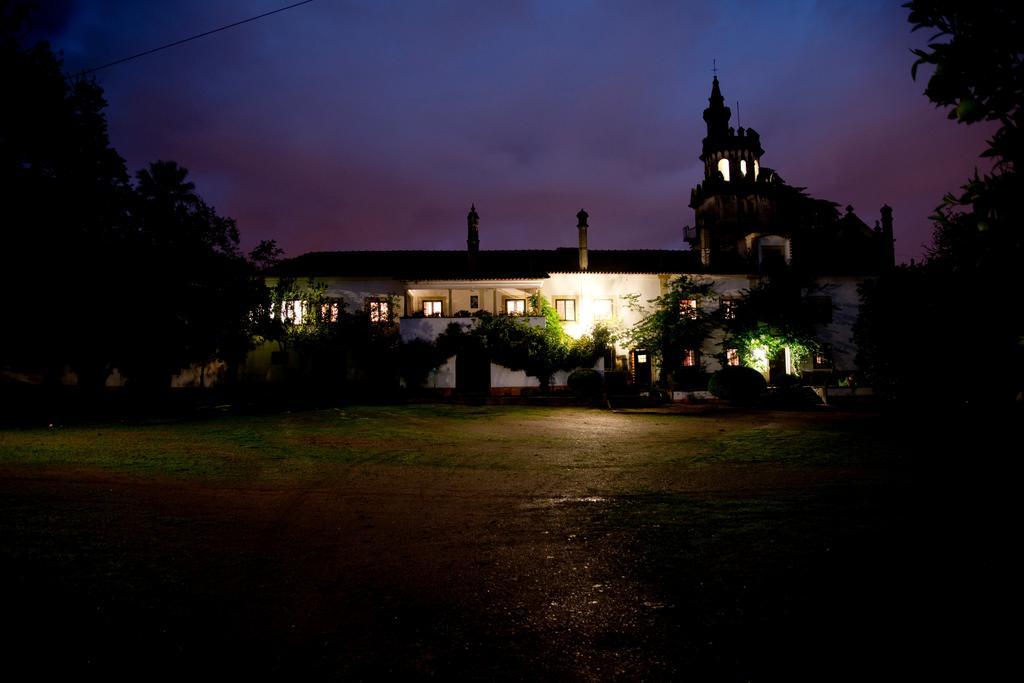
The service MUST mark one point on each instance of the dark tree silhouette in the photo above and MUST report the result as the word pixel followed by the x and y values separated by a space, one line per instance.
pixel 100 273
pixel 202 298
pixel 922 327
pixel 65 202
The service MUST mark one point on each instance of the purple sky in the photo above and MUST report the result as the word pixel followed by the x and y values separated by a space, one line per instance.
pixel 373 124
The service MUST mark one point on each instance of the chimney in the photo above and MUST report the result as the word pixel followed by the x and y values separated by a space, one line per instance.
pixel 581 223
pixel 473 239
pixel 888 239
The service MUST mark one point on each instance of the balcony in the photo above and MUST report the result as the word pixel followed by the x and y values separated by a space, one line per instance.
pixel 428 329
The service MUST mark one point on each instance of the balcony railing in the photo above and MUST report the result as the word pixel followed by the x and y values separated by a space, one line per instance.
pixel 428 329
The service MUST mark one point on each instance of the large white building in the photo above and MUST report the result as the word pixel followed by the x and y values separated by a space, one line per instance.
pixel 747 223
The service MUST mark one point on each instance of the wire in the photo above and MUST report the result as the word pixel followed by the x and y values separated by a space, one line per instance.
pixel 198 35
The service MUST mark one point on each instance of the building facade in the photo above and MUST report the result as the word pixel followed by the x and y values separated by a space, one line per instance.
pixel 748 225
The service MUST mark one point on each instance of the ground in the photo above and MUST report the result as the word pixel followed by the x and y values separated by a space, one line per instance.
pixel 498 543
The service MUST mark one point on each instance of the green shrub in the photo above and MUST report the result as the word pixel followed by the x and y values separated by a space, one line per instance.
pixel 738 384
pixel 585 383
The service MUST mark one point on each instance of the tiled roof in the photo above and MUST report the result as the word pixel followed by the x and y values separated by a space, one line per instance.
pixel 490 264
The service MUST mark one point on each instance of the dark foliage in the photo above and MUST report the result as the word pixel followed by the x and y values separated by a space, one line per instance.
pixel 673 325
pixel 781 310
pixel 417 358
pixel 586 383
pixel 738 384
pixel 146 278
pixel 920 326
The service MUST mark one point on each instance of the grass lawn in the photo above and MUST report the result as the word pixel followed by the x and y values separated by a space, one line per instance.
pixel 442 541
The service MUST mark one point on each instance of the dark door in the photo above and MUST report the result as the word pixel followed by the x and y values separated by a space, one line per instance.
pixel 641 367
pixel 472 371
pixel 777 367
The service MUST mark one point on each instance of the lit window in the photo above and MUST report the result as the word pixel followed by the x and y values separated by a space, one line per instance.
pixel 602 309
pixel 723 168
pixel 728 309
pixel 292 311
pixel 743 167
pixel 732 356
pixel 689 358
pixel 432 308
pixel 329 312
pixel 515 306
pixel 566 309
pixel 757 169
pixel 641 358
pixel 688 308
pixel 379 311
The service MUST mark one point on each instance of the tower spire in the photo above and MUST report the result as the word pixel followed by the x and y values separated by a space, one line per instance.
pixel 717 114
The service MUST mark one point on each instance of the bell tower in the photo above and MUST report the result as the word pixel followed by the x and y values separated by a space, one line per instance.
pixel 733 201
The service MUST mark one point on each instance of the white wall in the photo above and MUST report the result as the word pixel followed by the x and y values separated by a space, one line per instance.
pixel 442 377
pixel 502 377
pixel 839 333
pixel 584 288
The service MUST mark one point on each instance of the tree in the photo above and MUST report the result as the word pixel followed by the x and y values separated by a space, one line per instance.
pixel 514 343
pixel 977 54
pixel 978 57
pixel 962 299
pixel 198 292
pixel 65 200
pixel 672 324
pixel 780 312
pixel 146 278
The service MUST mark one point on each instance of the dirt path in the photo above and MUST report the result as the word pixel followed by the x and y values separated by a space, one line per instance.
pixel 562 572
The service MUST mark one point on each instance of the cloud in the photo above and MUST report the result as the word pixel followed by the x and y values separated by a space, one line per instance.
pixel 374 125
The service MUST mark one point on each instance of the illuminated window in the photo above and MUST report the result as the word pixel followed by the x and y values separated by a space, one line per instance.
pixel 688 308
pixel 566 309
pixel 728 309
pixel 641 358
pixel 515 306
pixel 432 308
pixel 293 312
pixel 732 356
pixel 743 167
pixel 689 358
pixel 822 359
pixel 723 168
pixel 757 169
pixel 379 310
pixel 603 309
pixel 329 312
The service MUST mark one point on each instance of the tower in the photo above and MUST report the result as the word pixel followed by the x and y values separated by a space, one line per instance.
pixel 735 155
pixel 734 203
